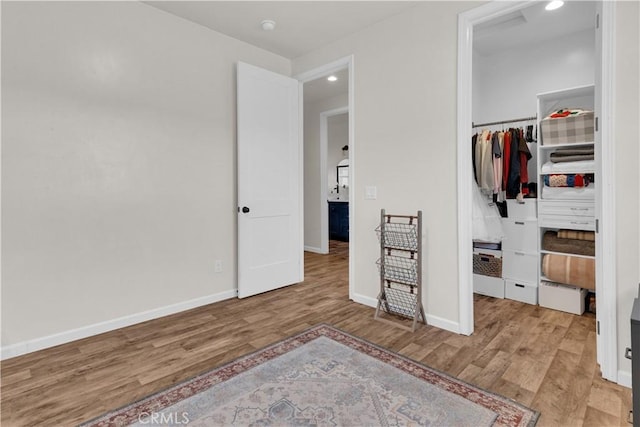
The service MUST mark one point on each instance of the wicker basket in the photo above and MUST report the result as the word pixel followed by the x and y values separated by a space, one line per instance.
pixel 487 265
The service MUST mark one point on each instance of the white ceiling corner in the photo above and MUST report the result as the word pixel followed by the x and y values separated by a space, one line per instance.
pixel 301 26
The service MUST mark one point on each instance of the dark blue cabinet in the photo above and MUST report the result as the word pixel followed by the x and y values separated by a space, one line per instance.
pixel 339 221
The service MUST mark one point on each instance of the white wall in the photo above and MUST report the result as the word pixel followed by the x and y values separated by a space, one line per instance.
pixel 506 83
pixel 312 175
pixel 405 130
pixel 627 159
pixel 405 116
pixel 118 163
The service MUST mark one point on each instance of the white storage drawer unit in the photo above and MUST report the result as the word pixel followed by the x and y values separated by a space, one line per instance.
pixel 574 215
pixel 489 286
pixel 561 297
pixel 520 251
pixel 520 235
pixel 569 222
pixel 521 291
pixel 522 210
pixel 520 266
pixel 569 208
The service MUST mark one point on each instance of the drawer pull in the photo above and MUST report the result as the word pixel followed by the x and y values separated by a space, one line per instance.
pixel 579 209
pixel 519 285
pixel 519 253
pixel 580 222
pixel 519 222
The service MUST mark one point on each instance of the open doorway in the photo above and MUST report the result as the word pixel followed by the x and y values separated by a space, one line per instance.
pixel 499 18
pixel 328 160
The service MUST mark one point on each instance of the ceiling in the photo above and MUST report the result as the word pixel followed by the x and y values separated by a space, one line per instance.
pixel 321 88
pixel 301 26
pixel 532 25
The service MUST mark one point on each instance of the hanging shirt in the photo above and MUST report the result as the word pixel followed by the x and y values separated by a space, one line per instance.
pixel 513 181
pixel 474 140
pixel 485 163
pixel 525 156
pixel 496 152
pixel 506 159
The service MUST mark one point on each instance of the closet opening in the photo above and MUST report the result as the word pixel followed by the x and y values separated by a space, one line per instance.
pixel 533 238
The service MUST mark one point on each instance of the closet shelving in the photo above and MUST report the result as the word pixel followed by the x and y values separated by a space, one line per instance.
pixel 400 266
pixel 568 211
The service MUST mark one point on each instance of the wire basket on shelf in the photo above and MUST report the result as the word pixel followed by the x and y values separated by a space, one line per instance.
pixel 400 266
pixel 399 269
pixel 398 236
pixel 400 300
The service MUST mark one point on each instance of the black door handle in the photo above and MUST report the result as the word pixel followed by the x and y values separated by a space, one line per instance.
pixel 245 209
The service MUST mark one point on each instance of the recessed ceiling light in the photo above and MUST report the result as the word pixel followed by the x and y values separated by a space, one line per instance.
pixel 332 78
pixel 268 25
pixel 553 5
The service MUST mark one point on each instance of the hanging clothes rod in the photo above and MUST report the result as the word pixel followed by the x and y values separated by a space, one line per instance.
pixel 524 119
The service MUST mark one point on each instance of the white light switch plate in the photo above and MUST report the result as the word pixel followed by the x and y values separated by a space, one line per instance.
pixel 370 192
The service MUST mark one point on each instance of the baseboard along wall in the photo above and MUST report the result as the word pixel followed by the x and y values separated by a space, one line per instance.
pixel 36 344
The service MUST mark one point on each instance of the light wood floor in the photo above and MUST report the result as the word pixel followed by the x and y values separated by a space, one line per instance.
pixel 542 358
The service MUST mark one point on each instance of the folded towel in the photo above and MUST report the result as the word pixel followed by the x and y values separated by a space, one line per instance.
pixel 567 180
pixel 551 242
pixel 574 158
pixel 576 234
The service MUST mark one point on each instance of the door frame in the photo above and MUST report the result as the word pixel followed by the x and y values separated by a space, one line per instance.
pixel 607 302
pixel 315 73
pixel 324 177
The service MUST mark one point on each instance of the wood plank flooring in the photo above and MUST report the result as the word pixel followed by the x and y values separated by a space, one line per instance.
pixel 542 358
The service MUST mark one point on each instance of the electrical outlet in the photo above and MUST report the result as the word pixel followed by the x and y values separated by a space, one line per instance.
pixel 217 266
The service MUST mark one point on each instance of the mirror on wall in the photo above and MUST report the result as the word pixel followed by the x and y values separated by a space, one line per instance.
pixel 342 173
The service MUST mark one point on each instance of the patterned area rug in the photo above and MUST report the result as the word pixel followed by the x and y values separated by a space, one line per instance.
pixel 323 377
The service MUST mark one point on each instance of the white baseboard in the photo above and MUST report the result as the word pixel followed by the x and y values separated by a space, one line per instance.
pixel 624 378
pixel 441 323
pixel 36 344
pixel 365 300
pixel 315 250
pixel 436 321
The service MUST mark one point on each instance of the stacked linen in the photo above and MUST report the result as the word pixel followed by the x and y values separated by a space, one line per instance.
pixel 568 175
pixel 567 269
pixel 571 154
pixel 556 242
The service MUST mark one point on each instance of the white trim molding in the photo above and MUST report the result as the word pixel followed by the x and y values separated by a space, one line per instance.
pixel 365 300
pixel 41 343
pixel 607 299
pixel 442 323
pixel 315 250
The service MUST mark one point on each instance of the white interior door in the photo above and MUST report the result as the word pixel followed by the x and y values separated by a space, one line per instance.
pixel 270 238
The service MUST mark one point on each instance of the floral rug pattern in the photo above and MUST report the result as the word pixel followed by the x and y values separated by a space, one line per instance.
pixel 323 377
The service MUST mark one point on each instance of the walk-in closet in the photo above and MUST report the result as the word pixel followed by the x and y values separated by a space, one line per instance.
pixel 535 158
